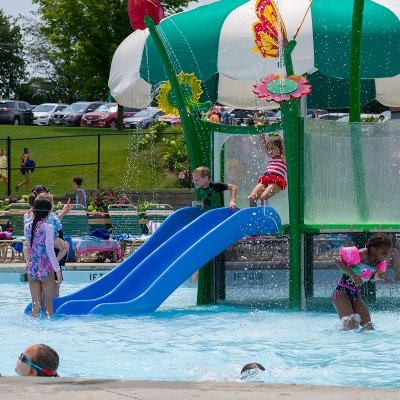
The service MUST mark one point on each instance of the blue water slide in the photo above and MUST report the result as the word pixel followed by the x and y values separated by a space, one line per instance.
pixel 166 268
pixel 176 221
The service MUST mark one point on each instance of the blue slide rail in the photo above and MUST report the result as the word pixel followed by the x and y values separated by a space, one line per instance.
pixel 175 222
pixel 159 274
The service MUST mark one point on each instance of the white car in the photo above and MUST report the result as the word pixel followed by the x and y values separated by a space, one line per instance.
pixel 42 114
pixel 333 116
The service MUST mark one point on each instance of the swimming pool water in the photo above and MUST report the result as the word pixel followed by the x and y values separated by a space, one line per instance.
pixel 184 342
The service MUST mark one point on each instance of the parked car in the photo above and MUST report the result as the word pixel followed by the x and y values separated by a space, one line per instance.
pixel 15 112
pixel 106 116
pixel 332 116
pixel 72 115
pixel 237 114
pixel 42 115
pixel 143 119
pixel 170 119
pixel 310 113
pixel 347 117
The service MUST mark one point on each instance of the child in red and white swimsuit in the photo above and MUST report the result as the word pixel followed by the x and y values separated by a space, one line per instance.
pixel 273 180
pixel 359 266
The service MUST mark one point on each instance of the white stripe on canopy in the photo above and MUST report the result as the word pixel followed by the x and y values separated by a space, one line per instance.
pixel 393 5
pixel 125 65
pixel 238 94
pixel 139 96
pixel 387 91
pixel 235 53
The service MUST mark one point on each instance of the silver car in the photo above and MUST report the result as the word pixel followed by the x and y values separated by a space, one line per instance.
pixel 42 115
pixel 15 112
pixel 142 119
pixel 72 115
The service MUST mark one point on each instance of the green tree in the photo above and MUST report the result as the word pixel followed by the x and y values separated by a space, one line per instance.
pixel 50 79
pixel 12 64
pixel 40 90
pixel 84 36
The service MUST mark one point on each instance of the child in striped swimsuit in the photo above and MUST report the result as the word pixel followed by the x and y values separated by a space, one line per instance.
pixel 273 180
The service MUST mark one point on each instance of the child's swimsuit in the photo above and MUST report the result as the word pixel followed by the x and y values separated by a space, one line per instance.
pixel 213 196
pixel 42 259
pixel 52 220
pixel 274 173
pixel 351 257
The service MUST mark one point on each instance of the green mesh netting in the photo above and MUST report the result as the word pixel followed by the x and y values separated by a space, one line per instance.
pixel 330 194
pixel 240 160
pixel 257 270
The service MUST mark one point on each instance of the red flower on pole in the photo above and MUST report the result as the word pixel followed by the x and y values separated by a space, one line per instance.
pixel 138 9
pixel 282 88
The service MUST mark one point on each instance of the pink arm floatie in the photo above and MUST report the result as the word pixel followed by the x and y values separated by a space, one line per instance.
pixel 350 255
pixel 381 266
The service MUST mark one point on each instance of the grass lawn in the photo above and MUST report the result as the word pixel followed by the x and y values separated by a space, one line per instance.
pixel 55 148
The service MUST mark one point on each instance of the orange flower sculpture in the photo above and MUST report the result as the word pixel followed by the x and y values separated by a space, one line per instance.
pixel 270 30
pixel 282 88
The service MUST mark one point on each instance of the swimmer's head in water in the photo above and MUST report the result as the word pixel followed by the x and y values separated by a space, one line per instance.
pixel 251 369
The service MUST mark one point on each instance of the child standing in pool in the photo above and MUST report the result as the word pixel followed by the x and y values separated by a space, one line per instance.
pixel 359 266
pixel 273 180
pixel 61 245
pixel 42 258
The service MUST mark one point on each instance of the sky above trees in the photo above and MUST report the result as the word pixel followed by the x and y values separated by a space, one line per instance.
pixel 64 53
pixel 13 8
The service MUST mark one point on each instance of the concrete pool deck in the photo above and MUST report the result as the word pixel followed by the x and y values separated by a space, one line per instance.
pixel 13 388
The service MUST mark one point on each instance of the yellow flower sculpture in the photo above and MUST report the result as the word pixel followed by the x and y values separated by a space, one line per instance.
pixel 191 89
pixel 269 30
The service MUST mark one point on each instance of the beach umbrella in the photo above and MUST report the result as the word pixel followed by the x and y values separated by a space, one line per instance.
pixel 218 44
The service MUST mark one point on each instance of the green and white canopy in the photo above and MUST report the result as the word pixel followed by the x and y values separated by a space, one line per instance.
pixel 216 42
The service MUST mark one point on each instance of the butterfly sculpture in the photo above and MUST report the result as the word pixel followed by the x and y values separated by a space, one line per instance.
pixel 270 30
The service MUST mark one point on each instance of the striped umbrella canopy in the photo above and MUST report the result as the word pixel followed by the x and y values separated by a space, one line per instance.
pixel 222 46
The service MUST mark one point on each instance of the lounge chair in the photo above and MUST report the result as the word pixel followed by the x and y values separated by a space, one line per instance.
pixel 156 214
pixel 126 227
pixel 76 225
pixel 16 213
pixel 12 249
pixel 99 220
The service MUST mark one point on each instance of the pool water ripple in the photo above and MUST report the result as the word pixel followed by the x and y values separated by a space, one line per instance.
pixel 182 341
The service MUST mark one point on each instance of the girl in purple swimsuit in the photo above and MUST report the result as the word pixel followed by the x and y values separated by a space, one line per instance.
pixel 42 258
pixel 359 266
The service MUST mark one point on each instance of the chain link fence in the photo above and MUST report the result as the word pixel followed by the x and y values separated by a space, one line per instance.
pixel 102 160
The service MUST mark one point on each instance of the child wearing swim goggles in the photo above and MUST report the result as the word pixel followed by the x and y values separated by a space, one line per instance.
pixel 38 360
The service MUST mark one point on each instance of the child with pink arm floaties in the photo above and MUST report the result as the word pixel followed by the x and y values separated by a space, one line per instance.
pixel 359 266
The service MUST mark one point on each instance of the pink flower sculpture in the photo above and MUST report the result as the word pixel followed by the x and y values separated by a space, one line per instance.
pixel 282 88
pixel 138 9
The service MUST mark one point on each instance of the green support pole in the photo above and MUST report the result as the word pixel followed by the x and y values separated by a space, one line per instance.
pixel 199 148
pixel 355 106
pixel 355 60
pixel 290 130
pixel 290 119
